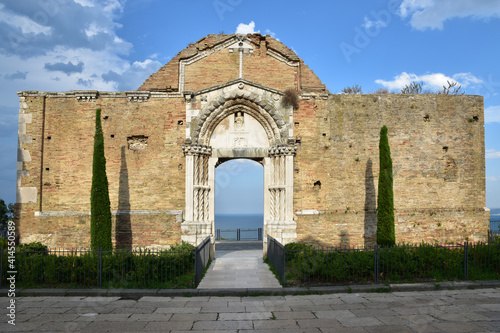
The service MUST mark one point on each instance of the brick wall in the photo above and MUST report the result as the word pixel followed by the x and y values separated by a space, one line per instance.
pixel 150 180
pixel 437 148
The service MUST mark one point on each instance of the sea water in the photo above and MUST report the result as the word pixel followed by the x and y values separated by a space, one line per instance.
pixel 254 221
pixel 248 225
pixel 495 219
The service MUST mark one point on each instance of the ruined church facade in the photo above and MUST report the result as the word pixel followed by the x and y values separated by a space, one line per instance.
pixel 232 96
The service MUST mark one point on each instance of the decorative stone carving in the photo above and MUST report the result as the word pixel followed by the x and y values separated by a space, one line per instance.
pixel 138 96
pixel 86 96
pixel 239 122
pixel 138 142
pixel 283 150
pixel 188 150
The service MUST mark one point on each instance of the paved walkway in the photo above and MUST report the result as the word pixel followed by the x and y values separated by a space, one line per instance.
pixel 238 265
pixel 417 311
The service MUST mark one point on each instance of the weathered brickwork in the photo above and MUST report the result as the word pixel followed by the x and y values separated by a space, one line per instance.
pixel 63 180
pixel 437 147
pixel 321 169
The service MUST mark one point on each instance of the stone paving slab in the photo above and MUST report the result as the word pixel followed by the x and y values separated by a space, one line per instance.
pixel 324 313
pixel 478 313
pixel 238 265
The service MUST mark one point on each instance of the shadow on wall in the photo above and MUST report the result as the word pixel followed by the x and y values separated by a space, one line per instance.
pixel 370 206
pixel 344 239
pixel 123 227
pixel 343 242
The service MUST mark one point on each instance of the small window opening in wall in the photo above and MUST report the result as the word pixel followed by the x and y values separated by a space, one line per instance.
pixel 324 134
pixel 427 117
pixel 112 136
pixel 475 118
pixel 106 117
pixel 47 169
pixel 180 123
pixel 445 149
pixel 317 185
pixel 296 124
pixel 49 138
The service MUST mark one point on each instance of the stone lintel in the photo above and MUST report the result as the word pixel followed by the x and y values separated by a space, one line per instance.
pixel 240 152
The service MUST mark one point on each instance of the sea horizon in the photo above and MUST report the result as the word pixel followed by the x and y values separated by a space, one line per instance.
pixel 239 221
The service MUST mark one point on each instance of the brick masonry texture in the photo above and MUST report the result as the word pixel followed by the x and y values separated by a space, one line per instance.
pixel 437 146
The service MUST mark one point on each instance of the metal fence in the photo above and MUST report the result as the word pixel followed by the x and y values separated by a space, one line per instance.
pixel 158 269
pixel 343 266
pixel 276 256
pixel 494 231
pixel 202 258
pixel 238 234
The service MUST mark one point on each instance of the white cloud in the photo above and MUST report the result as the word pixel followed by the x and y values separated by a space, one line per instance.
pixel 492 114
pixel 492 153
pixel 368 24
pixel 492 179
pixel 433 81
pixel 270 33
pixel 23 23
pixel 85 3
pixel 83 43
pixel 37 27
pixel 431 14
pixel 130 77
pixel 246 28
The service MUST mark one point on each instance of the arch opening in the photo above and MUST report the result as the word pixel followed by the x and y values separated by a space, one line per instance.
pixel 239 200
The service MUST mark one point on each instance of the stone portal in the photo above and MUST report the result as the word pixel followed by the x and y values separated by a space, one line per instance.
pixel 243 121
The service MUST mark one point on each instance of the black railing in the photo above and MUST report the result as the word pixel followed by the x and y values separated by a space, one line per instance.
pixel 494 232
pixel 150 268
pixel 202 258
pixel 238 234
pixel 425 263
pixel 276 256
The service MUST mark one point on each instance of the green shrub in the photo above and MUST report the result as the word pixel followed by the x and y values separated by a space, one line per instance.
pixel 182 247
pixel 405 263
pixel 119 269
pixel 32 247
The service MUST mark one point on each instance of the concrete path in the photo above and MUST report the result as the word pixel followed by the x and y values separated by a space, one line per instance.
pixel 238 265
pixel 417 311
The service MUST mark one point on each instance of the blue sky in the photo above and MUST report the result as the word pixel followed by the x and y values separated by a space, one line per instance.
pixel 61 45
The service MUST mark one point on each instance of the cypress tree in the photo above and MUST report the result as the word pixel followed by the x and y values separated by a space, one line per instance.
pixel 100 209
pixel 386 235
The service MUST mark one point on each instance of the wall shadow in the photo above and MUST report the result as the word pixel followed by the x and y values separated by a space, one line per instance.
pixel 370 206
pixel 123 226
pixel 344 239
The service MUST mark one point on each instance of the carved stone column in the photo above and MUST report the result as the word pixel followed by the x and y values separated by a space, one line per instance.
pixel 197 224
pixel 281 225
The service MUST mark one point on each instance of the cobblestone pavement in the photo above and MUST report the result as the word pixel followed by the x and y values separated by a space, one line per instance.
pixel 411 311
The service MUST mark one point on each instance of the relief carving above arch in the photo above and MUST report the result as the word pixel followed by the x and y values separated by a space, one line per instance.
pixel 251 103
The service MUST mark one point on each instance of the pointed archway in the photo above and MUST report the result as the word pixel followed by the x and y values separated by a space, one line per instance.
pixel 239 124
